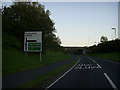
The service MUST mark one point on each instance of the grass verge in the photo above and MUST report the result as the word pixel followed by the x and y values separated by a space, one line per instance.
pixel 44 78
pixel 16 61
pixel 114 56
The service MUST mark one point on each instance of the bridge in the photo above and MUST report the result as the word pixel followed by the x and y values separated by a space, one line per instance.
pixel 76 50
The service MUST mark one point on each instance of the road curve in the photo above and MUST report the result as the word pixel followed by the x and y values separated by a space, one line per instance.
pixel 90 72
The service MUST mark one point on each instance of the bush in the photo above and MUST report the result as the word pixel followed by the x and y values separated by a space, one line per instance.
pixel 110 46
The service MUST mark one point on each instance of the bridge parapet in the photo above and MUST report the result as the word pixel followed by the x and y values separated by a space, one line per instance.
pixel 76 50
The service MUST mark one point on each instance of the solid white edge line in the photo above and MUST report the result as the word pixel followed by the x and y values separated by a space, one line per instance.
pixel 110 81
pixel 61 76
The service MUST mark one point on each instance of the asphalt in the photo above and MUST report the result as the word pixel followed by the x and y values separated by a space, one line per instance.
pixel 17 79
pixel 90 72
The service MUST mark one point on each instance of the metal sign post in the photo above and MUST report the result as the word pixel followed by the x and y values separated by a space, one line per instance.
pixel 40 57
pixel 26 46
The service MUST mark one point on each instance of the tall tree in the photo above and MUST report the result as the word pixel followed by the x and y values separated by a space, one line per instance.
pixel 28 16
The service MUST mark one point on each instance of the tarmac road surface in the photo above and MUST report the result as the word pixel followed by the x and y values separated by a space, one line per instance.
pixel 90 72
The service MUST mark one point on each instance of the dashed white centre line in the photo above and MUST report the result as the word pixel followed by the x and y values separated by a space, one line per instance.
pixel 110 81
pixel 108 78
pixel 99 66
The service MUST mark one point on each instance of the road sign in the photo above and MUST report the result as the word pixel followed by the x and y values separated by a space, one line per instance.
pixel 33 41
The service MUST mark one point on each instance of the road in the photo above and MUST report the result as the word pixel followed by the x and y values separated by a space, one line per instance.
pixel 90 72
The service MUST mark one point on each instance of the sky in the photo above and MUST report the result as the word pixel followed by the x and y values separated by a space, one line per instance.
pixel 119 20
pixel 83 23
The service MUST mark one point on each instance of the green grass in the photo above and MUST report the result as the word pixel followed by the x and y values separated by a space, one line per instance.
pixel 46 77
pixel 114 56
pixel 16 61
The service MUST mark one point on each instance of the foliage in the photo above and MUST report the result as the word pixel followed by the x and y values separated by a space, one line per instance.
pixel 110 46
pixel 16 61
pixel 103 39
pixel 41 80
pixel 29 16
pixel 114 56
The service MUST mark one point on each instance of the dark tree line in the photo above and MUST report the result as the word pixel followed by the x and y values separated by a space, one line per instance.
pixel 109 46
pixel 28 16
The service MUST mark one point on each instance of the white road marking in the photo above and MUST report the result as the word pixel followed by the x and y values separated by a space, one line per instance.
pixel 61 76
pixel 110 81
pixel 99 66
pixel 108 78
pixel 81 65
pixel 87 66
pixel 93 67
pixel 94 61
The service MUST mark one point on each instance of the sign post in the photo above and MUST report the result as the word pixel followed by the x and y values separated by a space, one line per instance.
pixel 33 42
pixel 40 57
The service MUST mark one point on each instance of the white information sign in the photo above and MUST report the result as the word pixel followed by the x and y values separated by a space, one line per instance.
pixel 33 41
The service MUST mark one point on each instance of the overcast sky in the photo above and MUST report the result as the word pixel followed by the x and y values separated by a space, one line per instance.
pixel 83 23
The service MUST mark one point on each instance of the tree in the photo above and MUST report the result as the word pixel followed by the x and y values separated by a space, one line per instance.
pixel 103 39
pixel 28 16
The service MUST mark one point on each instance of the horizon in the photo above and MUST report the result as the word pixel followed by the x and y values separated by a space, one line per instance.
pixel 90 20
